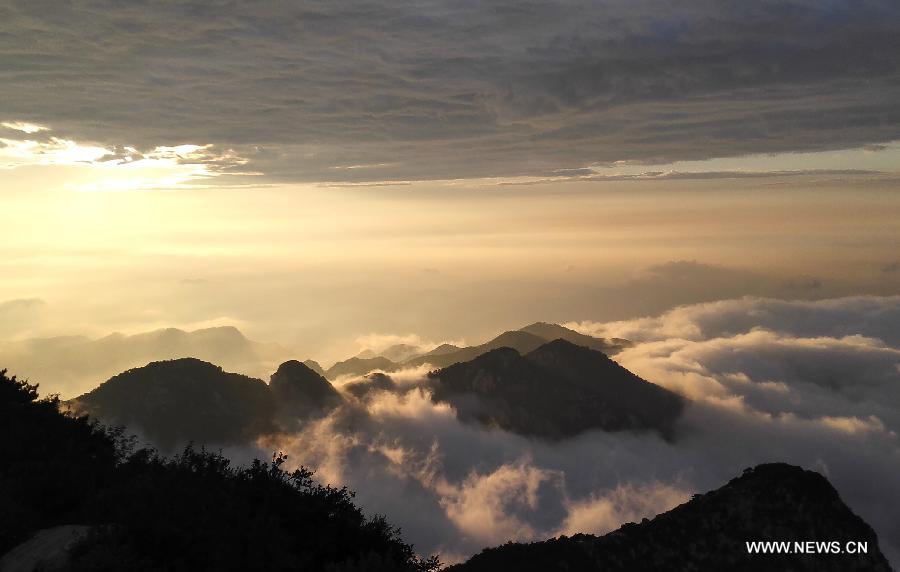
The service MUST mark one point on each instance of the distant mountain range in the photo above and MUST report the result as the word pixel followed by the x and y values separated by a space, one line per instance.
pixel 357 366
pixel 74 364
pixel 556 390
pixel 517 381
pixel 772 502
pixel 523 341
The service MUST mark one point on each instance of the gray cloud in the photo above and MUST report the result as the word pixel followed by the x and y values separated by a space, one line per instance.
pixel 441 89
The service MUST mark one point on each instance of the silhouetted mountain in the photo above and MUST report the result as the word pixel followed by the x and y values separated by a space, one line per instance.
pixel 555 391
pixel 173 402
pixel 772 502
pixel 300 392
pixel 609 346
pixel 314 365
pixel 76 363
pixel 401 352
pixel 522 342
pixel 189 400
pixel 442 349
pixel 371 382
pixel 140 512
pixel 360 366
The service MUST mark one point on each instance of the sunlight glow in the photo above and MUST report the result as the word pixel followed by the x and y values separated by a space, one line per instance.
pixel 117 169
pixel 24 127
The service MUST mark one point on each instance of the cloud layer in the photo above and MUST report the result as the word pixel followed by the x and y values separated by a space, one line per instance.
pixel 436 89
pixel 808 383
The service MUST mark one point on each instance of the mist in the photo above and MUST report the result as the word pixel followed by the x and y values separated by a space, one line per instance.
pixel 757 395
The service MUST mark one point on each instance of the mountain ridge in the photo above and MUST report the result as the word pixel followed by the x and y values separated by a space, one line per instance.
pixel 173 402
pixel 557 390
pixel 770 502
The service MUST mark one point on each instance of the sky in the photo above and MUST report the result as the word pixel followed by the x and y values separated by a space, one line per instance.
pixel 717 180
pixel 319 173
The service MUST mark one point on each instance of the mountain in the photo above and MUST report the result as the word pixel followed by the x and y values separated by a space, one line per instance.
pixel 300 392
pixel 182 400
pixel 401 352
pixel 772 502
pixel 376 381
pixel 443 349
pixel 555 391
pixel 360 366
pixel 72 364
pixel 520 341
pixel 189 400
pixel 609 346
pixel 314 365
pixel 523 340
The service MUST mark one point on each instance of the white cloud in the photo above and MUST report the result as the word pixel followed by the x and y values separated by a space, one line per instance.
pixel 625 503
pixel 758 396
pixel 120 169
pixel 24 127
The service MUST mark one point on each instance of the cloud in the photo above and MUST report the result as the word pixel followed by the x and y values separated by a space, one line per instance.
pixel 485 506
pixel 442 90
pixel 23 127
pixel 872 316
pixel 803 382
pixel 660 287
pixel 119 167
pixel 625 503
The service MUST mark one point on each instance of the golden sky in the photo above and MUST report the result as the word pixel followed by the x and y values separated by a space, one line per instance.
pixel 134 246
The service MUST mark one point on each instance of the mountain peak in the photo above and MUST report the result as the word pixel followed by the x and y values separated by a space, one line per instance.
pixel 300 391
pixel 770 502
pixel 550 331
pixel 293 367
pixel 314 365
pixel 182 400
pixel 359 366
pixel 557 390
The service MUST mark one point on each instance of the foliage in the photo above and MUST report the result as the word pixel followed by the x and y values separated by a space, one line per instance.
pixel 192 511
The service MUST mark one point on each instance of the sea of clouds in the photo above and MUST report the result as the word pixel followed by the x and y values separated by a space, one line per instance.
pixel 815 384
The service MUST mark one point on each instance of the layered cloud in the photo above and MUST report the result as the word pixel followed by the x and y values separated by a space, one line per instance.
pixel 116 168
pixel 357 91
pixel 870 316
pixel 810 383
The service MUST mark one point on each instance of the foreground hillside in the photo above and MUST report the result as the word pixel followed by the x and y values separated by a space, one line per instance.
pixel 773 502
pixel 139 511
